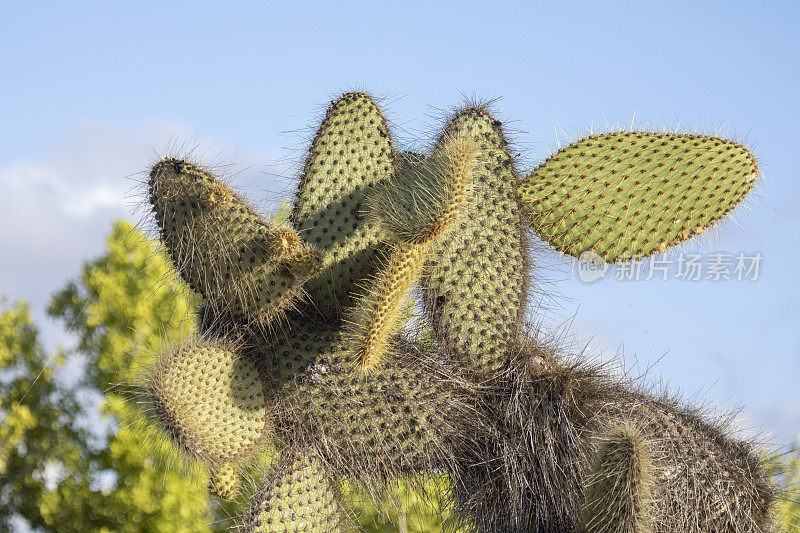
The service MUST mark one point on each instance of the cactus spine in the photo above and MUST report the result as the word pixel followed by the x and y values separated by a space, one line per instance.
pixel 303 344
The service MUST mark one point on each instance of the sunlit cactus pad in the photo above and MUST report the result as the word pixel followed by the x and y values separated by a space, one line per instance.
pixel 632 194
pixel 223 248
pixel 475 292
pixel 351 153
pixel 211 400
pixel 379 335
pixel 301 497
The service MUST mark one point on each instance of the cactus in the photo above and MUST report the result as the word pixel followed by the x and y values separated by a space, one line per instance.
pixel 476 290
pixel 299 497
pixel 351 153
pixel 224 482
pixel 211 400
pixel 380 334
pixel 632 194
pixel 619 496
pixel 415 210
pixel 223 249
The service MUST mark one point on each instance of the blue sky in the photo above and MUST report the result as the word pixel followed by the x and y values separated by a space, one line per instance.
pixel 92 92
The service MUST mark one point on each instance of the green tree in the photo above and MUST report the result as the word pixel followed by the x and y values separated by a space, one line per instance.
pixel 415 516
pixel 36 438
pixel 786 469
pixel 55 471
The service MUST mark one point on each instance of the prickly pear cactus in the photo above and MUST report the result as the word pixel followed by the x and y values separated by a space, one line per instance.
pixel 475 291
pixel 379 334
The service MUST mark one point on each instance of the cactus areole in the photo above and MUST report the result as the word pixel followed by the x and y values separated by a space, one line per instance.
pixel 378 334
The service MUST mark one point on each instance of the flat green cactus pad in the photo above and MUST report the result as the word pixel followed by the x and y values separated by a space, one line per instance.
pixel 351 153
pixel 631 194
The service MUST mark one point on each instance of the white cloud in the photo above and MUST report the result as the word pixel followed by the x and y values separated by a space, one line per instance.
pixel 33 191
pixel 94 200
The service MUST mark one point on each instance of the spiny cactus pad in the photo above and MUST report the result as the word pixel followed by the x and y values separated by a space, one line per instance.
pixel 428 193
pixel 223 248
pixel 299 497
pixel 476 288
pixel 706 480
pixel 619 497
pixel 351 153
pixel 376 316
pixel 416 209
pixel 356 379
pixel 210 400
pixel 549 414
pixel 631 194
pixel 396 419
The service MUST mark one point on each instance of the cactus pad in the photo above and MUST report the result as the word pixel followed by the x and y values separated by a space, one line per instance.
pixel 392 421
pixel 428 194
pixel 706 480
pixel 475 290
pixel 300 497
pixel 376 317
pixel 210 400
pixel 416 209
pixel 631 194
pixel 351 153
pixel 224 250
pixel 619 497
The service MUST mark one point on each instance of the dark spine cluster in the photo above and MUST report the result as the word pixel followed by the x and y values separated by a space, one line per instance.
pixel 560 435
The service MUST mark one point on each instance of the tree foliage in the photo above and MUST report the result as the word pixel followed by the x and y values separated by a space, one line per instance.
pixel 785 467
pixel 58 471
pixel 36 434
